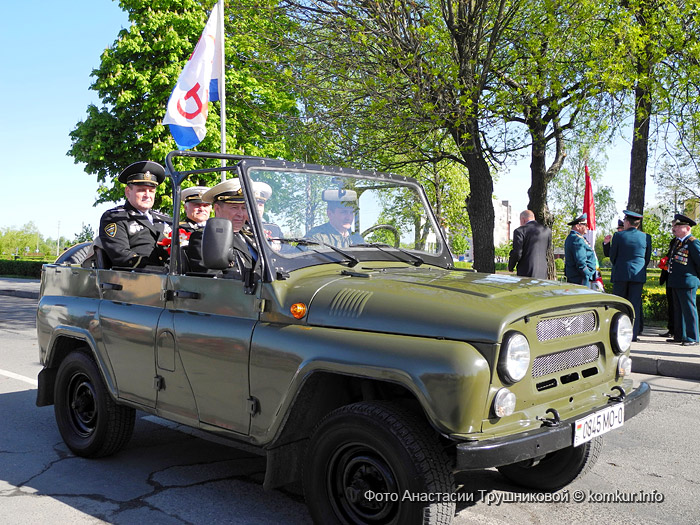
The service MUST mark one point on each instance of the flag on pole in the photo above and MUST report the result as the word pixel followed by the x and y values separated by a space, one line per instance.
pixel 199 83
pixel 589 210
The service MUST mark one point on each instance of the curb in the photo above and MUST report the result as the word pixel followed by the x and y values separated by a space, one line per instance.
pixel 665 367
pixel 20 293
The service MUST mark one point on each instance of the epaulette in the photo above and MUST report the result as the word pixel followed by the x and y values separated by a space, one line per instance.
pixel 692 239
pixel 161 216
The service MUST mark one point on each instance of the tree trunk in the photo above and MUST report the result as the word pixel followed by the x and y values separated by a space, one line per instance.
pixel 481 214
pixel 640 149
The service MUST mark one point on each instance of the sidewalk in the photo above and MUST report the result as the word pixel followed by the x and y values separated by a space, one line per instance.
pixel 651 354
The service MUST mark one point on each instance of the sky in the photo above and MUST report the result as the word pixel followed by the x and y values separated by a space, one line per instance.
pixel 49 50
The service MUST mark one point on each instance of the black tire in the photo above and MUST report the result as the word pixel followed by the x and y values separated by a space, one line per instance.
pixel 556 470
pixel 383 448
pixel 90 422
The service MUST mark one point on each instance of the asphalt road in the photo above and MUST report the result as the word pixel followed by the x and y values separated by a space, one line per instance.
pixel 169 474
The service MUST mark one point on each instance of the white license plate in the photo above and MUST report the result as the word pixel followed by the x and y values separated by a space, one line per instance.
pixel 598 423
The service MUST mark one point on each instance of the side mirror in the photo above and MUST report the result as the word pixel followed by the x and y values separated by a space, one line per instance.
pixel 217 244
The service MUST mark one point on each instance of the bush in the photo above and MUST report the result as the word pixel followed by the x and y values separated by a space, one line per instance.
pixel 30 269
pixel 559 264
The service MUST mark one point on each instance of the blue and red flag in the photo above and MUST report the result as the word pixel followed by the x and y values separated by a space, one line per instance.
pixel 199 83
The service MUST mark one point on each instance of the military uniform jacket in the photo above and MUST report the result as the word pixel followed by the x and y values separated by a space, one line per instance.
pixel 130 240
pixel 579 259
pixel 329 235
pixel 243 247
pixel 630 252
pixel 529 253
pixel 684 264
pixel 190 226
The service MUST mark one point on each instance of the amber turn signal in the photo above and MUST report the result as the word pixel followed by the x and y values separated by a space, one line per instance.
pixel 298 310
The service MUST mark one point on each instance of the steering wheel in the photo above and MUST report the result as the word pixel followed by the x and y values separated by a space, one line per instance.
pixel 397 236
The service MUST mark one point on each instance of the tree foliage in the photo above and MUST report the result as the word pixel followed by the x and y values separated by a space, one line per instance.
pixel 138 72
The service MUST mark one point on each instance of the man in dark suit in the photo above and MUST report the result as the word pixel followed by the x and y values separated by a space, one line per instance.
pixel 630 252
pixel 683 271
pixel 579 257
pixel 530 244
pixel 129 233
pixel 663 279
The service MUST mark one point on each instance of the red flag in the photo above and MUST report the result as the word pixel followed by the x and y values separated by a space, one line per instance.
pixel 588 202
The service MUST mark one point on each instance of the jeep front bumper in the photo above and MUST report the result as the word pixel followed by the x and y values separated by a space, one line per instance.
pixel 536 443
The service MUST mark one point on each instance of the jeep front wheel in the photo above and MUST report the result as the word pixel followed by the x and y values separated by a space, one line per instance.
pixel 90 422
pixel 556 470
pixel 377 463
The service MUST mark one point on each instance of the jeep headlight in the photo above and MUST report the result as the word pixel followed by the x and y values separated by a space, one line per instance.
pixel 621 333
pixel 503 403
pixel 514 360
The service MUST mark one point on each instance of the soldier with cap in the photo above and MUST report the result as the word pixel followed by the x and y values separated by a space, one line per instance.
pixel 129 233
pixel 630 252
pixel 579 257
pixel 229 203
pixel 196 210
pixel 683 271
pixel 341 215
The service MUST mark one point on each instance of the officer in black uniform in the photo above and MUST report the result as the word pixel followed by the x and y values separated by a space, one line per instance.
pixel 129 234
pixel 683 271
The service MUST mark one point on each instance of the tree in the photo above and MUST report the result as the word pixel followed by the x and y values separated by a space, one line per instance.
pixel 86 235
pixel 395 72
pixel 138 72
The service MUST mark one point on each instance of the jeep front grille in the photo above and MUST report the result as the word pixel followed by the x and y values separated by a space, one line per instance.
pixel 548 329
pixel 552 363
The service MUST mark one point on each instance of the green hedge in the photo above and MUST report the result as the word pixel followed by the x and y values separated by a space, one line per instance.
pixel 30 269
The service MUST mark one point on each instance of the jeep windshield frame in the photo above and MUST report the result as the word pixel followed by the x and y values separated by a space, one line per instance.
pixel 298 209
pixel 299 199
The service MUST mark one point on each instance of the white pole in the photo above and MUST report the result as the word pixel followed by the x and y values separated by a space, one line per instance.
pixel 222 85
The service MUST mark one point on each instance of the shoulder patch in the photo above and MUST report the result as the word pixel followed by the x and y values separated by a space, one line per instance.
pixel 111 229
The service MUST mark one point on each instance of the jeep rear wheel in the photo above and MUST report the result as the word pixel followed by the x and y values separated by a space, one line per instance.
pixel 377 463
pixel 90 422
pixel 556 470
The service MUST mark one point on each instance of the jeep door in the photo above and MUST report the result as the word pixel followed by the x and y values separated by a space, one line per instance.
pixel 130 306
pixel 213 321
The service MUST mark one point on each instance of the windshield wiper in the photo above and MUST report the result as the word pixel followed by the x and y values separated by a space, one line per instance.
pixel 352 261
pixel 417 261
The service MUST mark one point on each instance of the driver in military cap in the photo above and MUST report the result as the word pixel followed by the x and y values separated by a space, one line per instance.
pixel 129 233
pixel 341 215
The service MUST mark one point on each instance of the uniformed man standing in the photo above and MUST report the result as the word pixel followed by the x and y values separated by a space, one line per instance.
pixel 579 257
pixel 630 252
pixel 341 215
pixel 683 271
pixel 129 233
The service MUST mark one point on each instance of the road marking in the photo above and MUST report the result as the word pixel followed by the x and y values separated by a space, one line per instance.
pixel 12 375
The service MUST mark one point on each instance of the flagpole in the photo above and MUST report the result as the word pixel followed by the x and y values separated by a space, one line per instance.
pixel 222 87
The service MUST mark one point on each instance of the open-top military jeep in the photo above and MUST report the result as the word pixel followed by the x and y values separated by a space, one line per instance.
pixel 373 372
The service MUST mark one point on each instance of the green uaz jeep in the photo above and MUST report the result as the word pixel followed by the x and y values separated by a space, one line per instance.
pixel 351 352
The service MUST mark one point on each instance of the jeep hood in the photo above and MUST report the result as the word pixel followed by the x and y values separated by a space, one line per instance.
pixel 433 302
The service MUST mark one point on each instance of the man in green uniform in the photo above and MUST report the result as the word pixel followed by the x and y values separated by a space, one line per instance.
pixel 579 257
pixel 341 215
pixel 683 271
pixel 630 252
